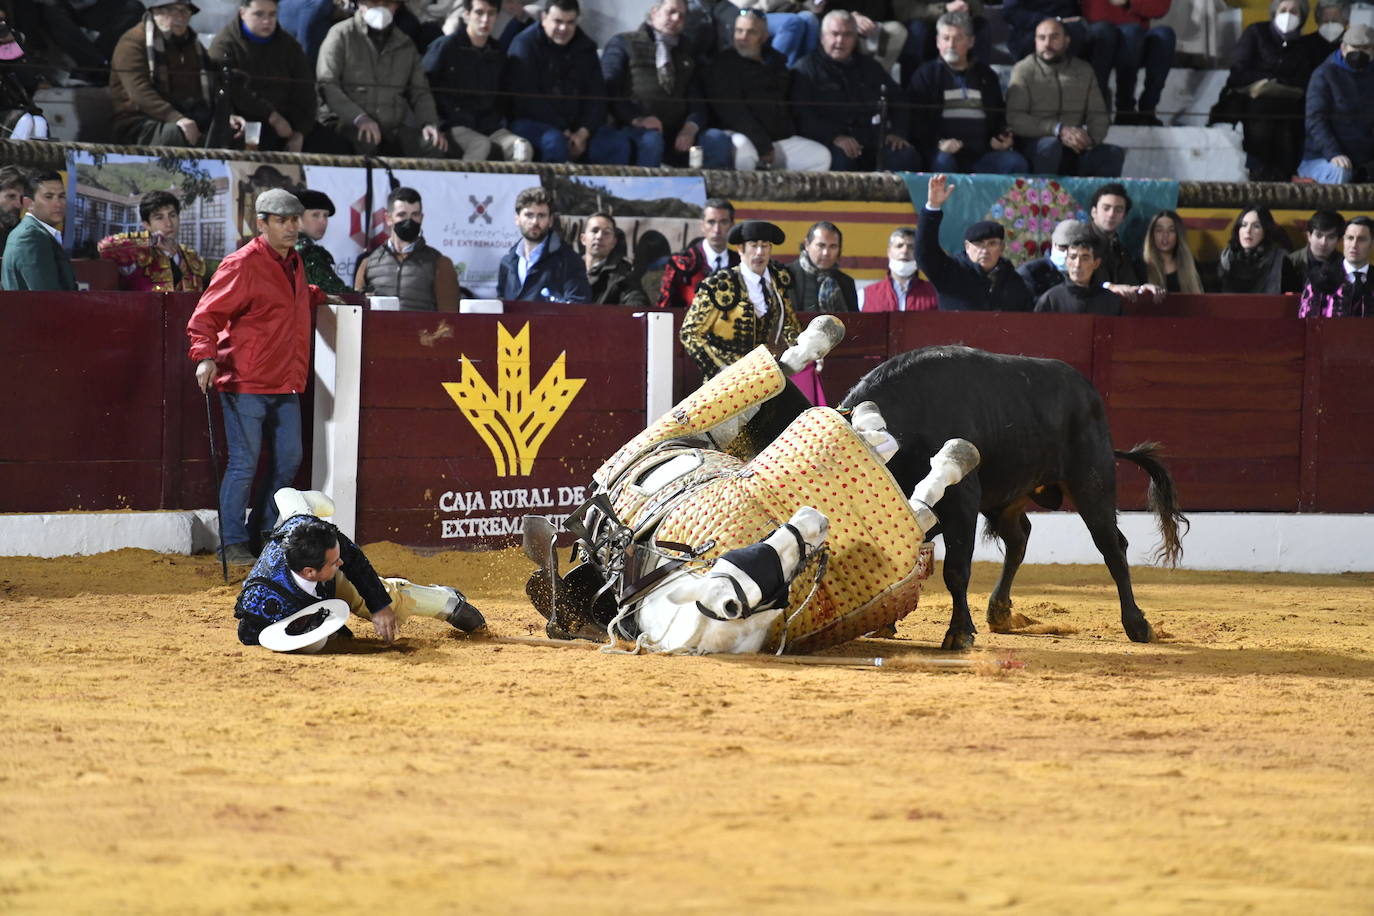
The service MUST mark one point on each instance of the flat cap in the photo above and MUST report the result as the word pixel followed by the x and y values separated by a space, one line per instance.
pixel 155 4
pixel 278 202
pixel 755 230
pixel 316 200
pixel 1065 231
pixel 1358 36
pixel 983 230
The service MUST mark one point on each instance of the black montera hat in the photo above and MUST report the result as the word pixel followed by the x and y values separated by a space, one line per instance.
pixel 315 200
pixel 755 230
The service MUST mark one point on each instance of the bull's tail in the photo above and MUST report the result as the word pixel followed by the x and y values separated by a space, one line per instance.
pixel 1162 500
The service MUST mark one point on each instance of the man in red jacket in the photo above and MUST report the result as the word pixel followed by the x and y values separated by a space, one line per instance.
pixel 250 338
pixel 1138 45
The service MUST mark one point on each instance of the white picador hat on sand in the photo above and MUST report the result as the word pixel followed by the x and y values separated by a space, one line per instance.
pixel 306 630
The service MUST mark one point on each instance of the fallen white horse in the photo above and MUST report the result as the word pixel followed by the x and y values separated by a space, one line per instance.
pixel 681 549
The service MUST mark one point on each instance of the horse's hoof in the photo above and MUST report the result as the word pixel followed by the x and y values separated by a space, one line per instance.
pixel 956 641
pixel 1140 630
pixel 887 632
pixel 999 617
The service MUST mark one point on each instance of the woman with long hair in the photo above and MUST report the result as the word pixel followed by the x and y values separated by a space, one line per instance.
pixel 1168 259
pixel 1254 261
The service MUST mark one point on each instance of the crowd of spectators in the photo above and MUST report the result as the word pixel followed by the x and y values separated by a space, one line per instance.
pixel 745 84
pixel 1298 95
pixel 1103 274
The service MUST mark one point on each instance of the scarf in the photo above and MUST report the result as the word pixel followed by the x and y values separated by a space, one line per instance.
pixel 829 298
pixel 663 59
pixel 1248 271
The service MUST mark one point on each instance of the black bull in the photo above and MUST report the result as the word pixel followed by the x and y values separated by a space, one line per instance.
pixel 1042 431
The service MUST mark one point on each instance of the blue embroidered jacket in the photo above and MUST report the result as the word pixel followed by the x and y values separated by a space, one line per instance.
pixel 271 593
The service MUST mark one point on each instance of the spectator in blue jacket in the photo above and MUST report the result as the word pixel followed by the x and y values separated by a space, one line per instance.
pixel 541 267
pixel 979 279
pixel 1340 121
pixel 964 98
pixel 559 101
pixel 835 97
pixel 655 92
pixel 467 73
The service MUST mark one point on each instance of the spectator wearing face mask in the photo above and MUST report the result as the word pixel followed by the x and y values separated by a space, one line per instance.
pixel 1270 69
pixel 902 290
pixel 373 86
pixel 1332 17
pixel 1043 274
pixel 1340 120
pixel 422 278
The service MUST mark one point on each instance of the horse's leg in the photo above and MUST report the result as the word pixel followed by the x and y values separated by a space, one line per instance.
pixel 1095 497
pixel 1013 527
pixel 958 513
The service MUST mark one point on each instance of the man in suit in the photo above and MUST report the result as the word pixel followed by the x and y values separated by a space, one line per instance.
pixel 701 258
pixel 34 258
pixel 818 284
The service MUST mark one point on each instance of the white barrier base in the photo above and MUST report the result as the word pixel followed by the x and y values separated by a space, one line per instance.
pixel 1253 542
pixel 1247 541
pixel 84 533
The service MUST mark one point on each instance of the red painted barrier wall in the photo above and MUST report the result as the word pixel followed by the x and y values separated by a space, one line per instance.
pixel 1271 414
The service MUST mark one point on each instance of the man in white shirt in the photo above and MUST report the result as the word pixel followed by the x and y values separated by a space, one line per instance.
pixel 703 257
pixel 34 258
pixel 737 309
pixel 1343 291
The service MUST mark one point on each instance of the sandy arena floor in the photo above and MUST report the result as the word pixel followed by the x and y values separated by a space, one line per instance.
pixel 151 764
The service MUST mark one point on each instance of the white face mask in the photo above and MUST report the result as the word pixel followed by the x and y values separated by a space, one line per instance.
pixel 901 269
pixel 1059 258
pixel 1331 31
pixel 1286 22
pixel 377 17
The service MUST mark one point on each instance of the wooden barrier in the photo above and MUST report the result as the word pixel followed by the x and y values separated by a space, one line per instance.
pixel 1266 414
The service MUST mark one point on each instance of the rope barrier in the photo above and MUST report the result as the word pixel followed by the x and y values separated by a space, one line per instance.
pixel 776 186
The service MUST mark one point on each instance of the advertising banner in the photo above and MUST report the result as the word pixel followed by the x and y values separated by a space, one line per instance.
pixel 469 217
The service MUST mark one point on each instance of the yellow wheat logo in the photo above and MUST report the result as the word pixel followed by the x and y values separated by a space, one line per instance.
pixel 515 421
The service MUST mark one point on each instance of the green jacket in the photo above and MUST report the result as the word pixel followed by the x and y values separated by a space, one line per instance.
pixel 387 85
pixel 34 260
pixel 319 267
pixel 1042 95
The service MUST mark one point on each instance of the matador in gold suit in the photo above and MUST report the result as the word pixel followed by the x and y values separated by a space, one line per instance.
pixel 739 308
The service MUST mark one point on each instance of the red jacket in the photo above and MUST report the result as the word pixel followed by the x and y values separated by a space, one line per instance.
pixel 683 272
pixel 1135 12
pixel 253 324
pixel 881 297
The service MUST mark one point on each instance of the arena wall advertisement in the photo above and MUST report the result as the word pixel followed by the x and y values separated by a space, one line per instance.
pixel 470 217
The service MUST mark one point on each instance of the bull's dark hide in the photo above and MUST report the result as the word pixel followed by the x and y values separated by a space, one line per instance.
pixel 1041 429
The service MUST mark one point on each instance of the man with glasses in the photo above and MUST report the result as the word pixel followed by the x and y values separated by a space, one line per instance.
pixel 160 80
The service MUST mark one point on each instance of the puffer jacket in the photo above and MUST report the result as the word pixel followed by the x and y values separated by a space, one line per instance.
pixel 255 323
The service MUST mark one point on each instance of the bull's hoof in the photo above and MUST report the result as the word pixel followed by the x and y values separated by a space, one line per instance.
pixel 999 616
pixel 1139 630
pixel 956 641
